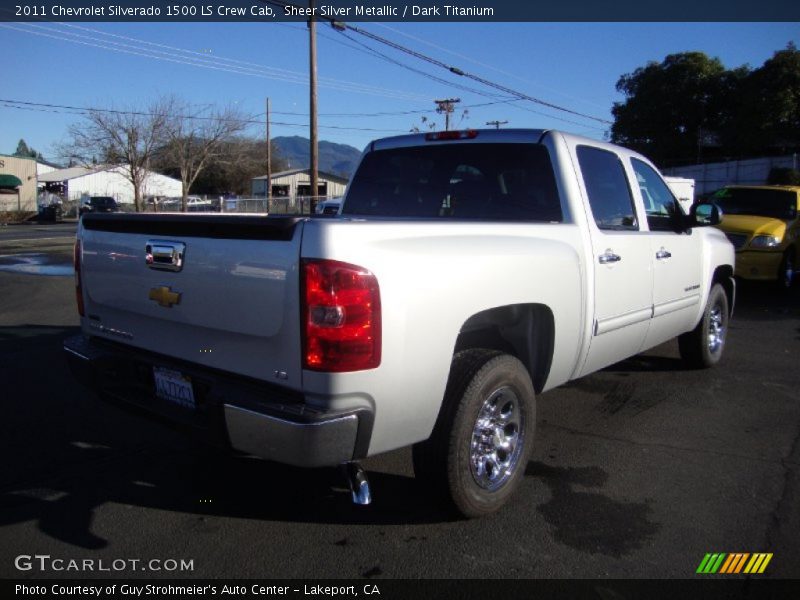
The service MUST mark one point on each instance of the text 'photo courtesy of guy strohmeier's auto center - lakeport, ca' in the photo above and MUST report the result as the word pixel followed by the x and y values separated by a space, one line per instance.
pixel 457 300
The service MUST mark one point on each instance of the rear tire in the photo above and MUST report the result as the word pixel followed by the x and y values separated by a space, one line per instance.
pixel 702 347
pixel 480 446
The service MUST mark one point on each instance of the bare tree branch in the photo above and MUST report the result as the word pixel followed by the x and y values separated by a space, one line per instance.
pixel 193 143
pixel 126 138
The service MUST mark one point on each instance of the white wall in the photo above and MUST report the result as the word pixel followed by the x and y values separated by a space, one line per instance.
pixel 712 176
pixel 114 183
pixel 42 168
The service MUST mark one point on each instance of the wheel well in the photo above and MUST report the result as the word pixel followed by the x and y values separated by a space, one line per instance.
pixel 723 275
pixel 526 331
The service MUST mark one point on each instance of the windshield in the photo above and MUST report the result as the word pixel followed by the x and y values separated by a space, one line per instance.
pixel 457 181
pixel 102 201
pixel 776 204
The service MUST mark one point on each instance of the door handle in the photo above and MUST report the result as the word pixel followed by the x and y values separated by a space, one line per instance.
pixel 663 254
pixel 609 257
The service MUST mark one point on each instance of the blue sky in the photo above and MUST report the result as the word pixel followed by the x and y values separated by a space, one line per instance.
pixel 575 65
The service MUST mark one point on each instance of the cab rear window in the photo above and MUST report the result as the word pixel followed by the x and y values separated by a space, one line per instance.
pixel 457 181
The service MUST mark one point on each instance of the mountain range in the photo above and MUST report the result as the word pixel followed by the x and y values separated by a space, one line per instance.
pixel 338 159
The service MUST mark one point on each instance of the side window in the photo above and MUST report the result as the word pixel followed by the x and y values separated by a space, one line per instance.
pixel 609 193
pixel 660 205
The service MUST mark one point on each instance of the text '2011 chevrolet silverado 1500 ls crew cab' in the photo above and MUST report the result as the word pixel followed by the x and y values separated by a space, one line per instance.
pixel 466 273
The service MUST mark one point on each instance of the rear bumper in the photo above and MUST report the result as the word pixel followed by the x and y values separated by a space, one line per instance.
pixel 249 416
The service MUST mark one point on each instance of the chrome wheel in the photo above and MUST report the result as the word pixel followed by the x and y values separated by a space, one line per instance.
pixel 716 329
pixel 497 438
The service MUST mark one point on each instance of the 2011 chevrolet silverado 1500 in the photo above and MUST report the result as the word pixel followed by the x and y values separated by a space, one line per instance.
pixel 466 273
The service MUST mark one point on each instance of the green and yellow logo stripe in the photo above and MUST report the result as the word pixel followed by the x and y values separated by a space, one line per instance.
pixel 734 563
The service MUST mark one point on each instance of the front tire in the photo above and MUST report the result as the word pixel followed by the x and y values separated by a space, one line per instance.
pixel 702 347
pixel 483 437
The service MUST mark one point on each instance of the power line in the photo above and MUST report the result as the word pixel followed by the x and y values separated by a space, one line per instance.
pixel 497 123
pixel 207 62
pixel 477 78
pixel 282 74
pixel 462 87
pixel 387 58
pixel 299 77
pixel 562 119
pixel 450 68
pixel 83 110
pixel 487 66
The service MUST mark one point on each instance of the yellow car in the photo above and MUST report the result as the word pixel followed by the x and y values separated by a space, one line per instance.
pixel 763 225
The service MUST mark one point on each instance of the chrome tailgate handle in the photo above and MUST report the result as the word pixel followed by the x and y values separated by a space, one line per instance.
pixel 163 255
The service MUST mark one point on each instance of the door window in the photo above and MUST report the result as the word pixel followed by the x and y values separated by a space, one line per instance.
pixel 608 190
pixel 660 205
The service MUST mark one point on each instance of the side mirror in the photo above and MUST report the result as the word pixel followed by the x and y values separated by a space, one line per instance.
pixel 704 215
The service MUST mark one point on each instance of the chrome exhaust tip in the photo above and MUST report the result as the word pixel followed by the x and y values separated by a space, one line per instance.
pixel 358 482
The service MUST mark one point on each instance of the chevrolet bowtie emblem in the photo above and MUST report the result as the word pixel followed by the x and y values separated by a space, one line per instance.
pixel 165 296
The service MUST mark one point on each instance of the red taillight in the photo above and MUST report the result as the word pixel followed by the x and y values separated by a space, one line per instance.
pixel 443 136
pixel 341 317
pixel 76 261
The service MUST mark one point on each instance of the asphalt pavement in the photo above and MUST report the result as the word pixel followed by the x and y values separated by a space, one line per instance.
pixel 638 471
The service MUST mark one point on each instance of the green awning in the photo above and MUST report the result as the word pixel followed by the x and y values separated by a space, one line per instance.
pixel 9 181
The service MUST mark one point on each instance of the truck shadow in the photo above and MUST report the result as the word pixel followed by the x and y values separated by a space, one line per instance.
pixel 68 454
pixel 587 520
pixel 71 457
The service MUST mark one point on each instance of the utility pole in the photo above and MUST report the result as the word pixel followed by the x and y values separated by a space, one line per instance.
pixel 446 106
pixel 269 161
pixel 496 123
pixel 312 80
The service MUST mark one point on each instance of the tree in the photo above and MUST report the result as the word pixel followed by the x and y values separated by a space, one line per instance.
pixel 195 139
pixel 128 138
pixel 231 169
pixel 425 124
pixel 768 115
pixel 689 108
pixel 673 108
pixel 26 151
pixel 243 159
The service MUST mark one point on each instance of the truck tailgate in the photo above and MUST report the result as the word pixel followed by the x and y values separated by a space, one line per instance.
pixel 230 302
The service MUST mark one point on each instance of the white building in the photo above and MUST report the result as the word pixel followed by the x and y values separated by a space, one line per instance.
pixel 296 183
pixel 75 182
pixel 43 167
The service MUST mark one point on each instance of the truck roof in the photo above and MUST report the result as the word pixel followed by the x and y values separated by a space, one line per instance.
pixel 476 136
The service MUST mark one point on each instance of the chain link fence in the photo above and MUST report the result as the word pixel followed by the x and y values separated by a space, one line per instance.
pixel 281 205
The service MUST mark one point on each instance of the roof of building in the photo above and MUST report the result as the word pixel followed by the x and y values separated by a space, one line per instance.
pixel 47 163
pixel 17 157
pixel 70 173
pixel 74 172
pixel 322 174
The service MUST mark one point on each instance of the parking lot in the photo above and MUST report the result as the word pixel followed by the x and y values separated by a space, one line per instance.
pixel 638 470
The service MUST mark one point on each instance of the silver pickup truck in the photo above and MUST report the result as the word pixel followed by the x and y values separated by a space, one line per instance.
pixel 466 273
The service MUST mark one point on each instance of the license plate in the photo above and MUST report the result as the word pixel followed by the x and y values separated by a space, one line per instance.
pixel 174 387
